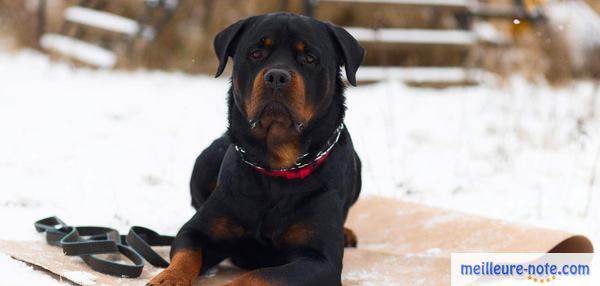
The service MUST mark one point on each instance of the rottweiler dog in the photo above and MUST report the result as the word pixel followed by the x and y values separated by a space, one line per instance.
pixel 273 193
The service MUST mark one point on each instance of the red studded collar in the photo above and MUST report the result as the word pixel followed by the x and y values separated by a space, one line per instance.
pixel 303 168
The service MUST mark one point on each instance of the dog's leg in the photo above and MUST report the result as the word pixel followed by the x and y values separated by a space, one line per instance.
pixel 183 270
pixel 309 271
pixel 201 243
pixel 314 246
pixel 206 171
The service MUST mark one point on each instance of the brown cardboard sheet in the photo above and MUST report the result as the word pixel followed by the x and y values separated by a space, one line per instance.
pixel 399 243
pixel 360 267
pixel 400 227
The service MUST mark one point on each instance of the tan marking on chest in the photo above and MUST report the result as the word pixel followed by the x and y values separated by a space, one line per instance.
pixel 297 234
pixel 223 228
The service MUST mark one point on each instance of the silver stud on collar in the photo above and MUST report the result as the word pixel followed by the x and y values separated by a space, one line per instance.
pixel 335 137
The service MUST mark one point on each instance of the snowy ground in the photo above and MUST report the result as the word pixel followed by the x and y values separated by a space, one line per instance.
pixel 117 148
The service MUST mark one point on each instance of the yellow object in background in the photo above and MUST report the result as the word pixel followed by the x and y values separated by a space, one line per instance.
pixel 520 26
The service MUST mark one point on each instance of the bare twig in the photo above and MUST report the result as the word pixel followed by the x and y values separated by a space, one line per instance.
pixel 594 101
pixel 592 183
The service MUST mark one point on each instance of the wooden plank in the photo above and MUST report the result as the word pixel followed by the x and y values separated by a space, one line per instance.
pixel 488 33
pixel 361 267
pixel 453 4
pixel 79 50
pixel 393 238
pixel 423 74
pixel 595 4
pixel 414 36
pixel 402 227
pixel 101 20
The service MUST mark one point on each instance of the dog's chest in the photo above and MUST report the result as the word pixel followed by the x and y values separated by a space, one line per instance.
pixel 279 216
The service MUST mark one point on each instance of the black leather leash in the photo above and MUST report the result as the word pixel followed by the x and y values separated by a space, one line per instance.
pixel 88 241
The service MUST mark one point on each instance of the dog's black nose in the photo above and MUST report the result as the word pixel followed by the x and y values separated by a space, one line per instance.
pixel 277 78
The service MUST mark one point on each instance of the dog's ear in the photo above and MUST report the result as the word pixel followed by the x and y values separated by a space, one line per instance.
pixel 226 42
pixel 353 54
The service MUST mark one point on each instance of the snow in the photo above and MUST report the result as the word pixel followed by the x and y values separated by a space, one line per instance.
pixel 414 36
pixel 580 24
pixel 117 148
pixel 83 278
pixel 80 50
pixel 363 276
pixel 102 20
pixel 19 273
pixel 487 32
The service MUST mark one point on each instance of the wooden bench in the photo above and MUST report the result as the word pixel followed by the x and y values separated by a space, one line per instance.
pixel 79 50
pixel 102 20
pixel 414 36
pixel 424 75
pixel 89 14
pixel 463 40
pixel 450 4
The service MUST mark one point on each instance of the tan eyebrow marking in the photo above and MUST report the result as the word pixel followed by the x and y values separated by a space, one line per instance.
pixel 299 46
pixel 267 41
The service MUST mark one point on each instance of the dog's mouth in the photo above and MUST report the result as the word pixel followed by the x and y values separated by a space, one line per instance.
pixel 275 113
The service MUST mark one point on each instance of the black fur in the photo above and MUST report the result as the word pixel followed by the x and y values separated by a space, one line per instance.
pixel 260 209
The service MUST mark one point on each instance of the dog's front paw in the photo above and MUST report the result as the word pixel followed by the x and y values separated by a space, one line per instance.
pixel 170 278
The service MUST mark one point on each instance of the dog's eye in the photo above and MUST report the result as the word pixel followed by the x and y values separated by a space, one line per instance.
pixel 257 54
pixel 309 59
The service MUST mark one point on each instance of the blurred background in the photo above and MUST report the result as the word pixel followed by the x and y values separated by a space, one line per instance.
pixel 500 36
pixel 489 107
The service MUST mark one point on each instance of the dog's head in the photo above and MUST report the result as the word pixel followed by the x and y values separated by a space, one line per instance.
pixel 285 67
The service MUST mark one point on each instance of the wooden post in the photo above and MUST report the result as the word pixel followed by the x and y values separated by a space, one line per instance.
pixel 41 21
pixel 284 5
pixel 309 7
